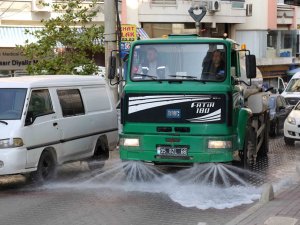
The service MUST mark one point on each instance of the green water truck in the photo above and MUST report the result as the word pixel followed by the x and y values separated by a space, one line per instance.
pixel 177 109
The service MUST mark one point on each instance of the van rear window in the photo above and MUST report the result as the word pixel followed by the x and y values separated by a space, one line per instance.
pixel 70 102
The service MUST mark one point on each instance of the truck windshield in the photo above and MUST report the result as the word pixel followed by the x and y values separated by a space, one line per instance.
pixel 200 62
pixel 293 86
pixel 11 103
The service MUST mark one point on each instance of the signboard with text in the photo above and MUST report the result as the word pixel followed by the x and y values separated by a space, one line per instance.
pixel 129 33
pixel 12 59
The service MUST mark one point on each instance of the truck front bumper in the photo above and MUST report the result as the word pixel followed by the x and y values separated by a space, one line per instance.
pixel 198 151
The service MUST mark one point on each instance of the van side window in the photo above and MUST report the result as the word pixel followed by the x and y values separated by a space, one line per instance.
pixel 40 103
pixel 70 102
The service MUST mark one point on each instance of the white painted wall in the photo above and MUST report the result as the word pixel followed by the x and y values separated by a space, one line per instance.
pixel 132 12
pixel 259 18
pixel 256 41
pixel 19 13
pixel 179 14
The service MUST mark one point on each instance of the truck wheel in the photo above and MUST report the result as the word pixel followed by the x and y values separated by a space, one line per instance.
pixel 274 129
pixel 46 169
pixel 264 149
pixel 101 153
pixel 289 141
pixel 244 153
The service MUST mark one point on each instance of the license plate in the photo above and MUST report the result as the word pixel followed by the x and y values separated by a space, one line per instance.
pixel 172 151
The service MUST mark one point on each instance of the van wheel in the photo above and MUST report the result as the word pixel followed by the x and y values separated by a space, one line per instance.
pixel 46 169
pixel 101 154
pixel 289 141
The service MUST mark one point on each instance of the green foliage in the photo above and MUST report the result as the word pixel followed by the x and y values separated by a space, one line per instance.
pixel 67 41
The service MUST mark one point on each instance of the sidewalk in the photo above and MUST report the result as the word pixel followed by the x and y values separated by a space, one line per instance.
pixel 284 209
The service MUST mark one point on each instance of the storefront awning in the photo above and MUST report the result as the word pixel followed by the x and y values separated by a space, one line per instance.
pixel 142 34
pixel 293 71
pixel 12 36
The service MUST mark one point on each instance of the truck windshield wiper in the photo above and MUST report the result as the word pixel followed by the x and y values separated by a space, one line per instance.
pixel 184 76
pixel 146 75
pixel 1 121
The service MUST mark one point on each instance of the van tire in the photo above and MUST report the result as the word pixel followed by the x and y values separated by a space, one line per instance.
pixel 46 169
pixel 101 153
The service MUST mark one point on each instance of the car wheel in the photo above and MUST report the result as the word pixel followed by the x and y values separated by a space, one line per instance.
pixel 46 169
pixel 289 141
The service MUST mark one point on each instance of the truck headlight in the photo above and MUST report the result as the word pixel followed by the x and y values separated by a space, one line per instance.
pixel 11 143
pixel 130 142
pixel 291 120
pixel 219 144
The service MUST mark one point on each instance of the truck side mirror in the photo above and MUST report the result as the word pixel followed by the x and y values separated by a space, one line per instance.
pixel 250 66
pixel 112 67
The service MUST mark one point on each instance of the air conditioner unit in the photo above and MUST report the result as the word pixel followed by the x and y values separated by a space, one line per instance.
pixel 214 6
pixel 249 10
pixel 41 5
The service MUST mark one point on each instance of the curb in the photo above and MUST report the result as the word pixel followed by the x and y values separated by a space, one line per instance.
pixel 266 196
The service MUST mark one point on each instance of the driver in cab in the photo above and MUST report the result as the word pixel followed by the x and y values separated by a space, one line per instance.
pixel 152 67
pixel 214 69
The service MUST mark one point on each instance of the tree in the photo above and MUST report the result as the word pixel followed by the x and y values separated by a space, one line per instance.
pixel 67 41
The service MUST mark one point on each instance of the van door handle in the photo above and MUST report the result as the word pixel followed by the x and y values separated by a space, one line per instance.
pixel 55 124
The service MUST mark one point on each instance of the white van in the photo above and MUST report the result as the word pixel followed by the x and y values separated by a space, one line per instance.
pixel 292 91
pixel 46 121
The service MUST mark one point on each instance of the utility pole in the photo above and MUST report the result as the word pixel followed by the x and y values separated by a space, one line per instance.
pixel 110 38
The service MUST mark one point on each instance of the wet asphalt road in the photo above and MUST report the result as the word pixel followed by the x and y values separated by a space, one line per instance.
pixel 72 199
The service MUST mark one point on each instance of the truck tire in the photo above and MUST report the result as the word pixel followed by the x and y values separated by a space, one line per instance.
pixel 274 129
pixel 289 141
pixel 46 169
pixel 244 153
pixel 264 149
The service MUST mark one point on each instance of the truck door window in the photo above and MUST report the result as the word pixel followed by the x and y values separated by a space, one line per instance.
pixel 199 61
pixel 234 64
pixel 70 102
pixel 40 103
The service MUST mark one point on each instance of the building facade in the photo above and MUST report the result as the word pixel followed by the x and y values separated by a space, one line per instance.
pixel 268 27
pixel 16 16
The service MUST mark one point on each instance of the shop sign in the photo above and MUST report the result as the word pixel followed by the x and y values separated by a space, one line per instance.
pixel 12 59
pixel 129 33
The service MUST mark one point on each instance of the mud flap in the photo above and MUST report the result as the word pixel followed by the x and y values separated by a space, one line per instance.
pixel 243 120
